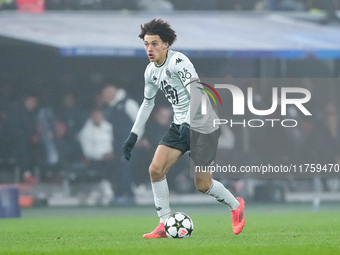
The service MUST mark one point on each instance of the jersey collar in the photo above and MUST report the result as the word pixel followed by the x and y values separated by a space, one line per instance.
pixel 163 61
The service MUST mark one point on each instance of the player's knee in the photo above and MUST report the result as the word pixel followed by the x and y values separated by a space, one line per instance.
pixel 156 172
pixel 203 185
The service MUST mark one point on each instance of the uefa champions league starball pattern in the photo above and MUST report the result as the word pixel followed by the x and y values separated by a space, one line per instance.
pixel 179 225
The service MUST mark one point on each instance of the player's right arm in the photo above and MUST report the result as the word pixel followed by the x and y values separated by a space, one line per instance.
pixel 144 112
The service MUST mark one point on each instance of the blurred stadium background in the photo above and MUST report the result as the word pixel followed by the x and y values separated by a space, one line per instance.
pixel 58 57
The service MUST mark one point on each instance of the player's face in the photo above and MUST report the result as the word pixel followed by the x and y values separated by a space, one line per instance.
pixel 155 48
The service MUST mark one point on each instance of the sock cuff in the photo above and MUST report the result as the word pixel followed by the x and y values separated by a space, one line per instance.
pixel 212 185
pixel 160 180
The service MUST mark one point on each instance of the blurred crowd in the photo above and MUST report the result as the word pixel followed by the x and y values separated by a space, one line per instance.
pixel 315 139
pixel 171 5
pixel 67 140
pixel 83 140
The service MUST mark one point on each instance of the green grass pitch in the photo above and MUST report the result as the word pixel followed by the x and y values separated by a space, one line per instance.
pixel 115 233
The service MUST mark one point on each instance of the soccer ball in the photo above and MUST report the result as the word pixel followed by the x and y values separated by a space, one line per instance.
pixel 178 225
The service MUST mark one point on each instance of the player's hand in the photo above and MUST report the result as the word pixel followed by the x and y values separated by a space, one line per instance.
pixel 184 131
pixel 129 144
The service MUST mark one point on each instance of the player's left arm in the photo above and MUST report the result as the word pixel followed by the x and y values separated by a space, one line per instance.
pixel 188 76
pixel 195 98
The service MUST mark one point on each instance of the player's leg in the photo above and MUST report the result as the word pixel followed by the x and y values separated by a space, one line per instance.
pixel 217 190
pixel 205 184
pixel 203 152
pixel 163 159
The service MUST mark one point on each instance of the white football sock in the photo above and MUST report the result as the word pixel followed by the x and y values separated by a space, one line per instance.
pixel 223 195
pixel 161 197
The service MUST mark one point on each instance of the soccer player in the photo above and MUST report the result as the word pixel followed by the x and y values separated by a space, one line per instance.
pixel 173 73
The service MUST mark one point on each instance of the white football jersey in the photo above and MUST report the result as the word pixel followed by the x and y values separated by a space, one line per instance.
pixel 174 77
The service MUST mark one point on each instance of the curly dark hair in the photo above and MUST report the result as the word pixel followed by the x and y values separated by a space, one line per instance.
pixel 161 28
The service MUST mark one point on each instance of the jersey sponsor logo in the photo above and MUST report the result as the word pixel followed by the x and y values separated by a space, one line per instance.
pixel 170 92
pixel 168 73
pixel 179 60
pixel 158 208
pixel 185 75
pixel 154 78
